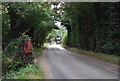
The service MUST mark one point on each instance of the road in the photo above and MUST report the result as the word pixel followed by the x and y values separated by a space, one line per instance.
pixel 59 63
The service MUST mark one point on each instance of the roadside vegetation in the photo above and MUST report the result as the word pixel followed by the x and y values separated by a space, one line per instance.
pixel 113 59
pixel 93 29
pixel 22 21
pixel 38 51
pixel 17 69
pixel 29 72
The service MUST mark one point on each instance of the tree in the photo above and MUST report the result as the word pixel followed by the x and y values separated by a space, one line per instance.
pixel 92 26
pixel 33 18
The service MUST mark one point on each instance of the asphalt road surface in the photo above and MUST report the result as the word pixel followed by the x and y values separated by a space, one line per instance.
pixel 59 63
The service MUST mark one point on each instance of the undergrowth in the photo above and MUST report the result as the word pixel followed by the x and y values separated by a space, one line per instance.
pixel 29 72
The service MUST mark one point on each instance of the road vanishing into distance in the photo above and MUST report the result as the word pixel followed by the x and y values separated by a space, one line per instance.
pixel 59 63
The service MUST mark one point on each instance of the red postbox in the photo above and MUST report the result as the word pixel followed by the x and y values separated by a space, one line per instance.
pixel 28 47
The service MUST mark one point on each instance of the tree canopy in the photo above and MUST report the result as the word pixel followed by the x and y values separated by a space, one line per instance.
pixel 93 26
pixel 33 18
pixel 90 26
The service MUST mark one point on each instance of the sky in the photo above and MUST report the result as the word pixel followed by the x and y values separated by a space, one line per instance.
pixel 57 22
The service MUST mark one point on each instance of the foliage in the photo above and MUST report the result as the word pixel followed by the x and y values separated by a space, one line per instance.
pixel 35 18
pixel 56 33
pixel 17 70
pixel 10 52
pixel 93 26
pixel 5 28
pixel 13 47
pixel 29 72
pixel 65 39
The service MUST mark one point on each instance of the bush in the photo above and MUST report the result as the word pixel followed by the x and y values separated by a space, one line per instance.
pixel 10 53
pixel 65 39
pixel 13 47
pixel 29 72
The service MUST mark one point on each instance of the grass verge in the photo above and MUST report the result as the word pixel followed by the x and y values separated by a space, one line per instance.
pixel 114 59
pixel 38 51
